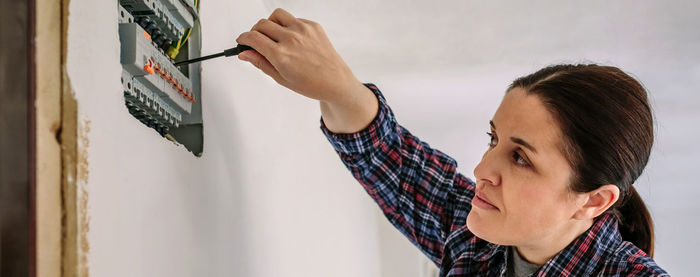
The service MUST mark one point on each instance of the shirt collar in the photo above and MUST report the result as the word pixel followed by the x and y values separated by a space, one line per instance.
pixel 581 255
pixel 585 252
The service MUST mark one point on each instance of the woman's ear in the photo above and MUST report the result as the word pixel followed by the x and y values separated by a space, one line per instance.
pixel 598 201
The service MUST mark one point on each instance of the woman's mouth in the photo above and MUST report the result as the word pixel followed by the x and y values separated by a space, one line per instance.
pixel 480 201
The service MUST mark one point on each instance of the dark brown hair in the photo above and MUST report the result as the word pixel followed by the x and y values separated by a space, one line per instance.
pixel 608 133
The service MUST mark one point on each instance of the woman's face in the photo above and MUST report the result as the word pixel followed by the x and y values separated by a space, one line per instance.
pixel 523 175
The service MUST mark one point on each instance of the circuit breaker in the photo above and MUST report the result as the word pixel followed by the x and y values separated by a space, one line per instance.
pixel 154 35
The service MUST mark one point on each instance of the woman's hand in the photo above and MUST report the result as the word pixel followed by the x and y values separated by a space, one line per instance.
pixel 297 54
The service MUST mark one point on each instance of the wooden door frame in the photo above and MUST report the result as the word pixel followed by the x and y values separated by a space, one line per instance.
pixel 17 133
pixel 44 221
pixel 38 140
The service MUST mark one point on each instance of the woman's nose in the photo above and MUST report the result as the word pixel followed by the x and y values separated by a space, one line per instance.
pixel 488 169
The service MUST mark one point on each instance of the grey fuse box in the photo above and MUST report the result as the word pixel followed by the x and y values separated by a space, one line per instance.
pixel 154 34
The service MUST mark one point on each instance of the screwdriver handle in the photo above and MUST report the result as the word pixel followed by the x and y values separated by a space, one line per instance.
pixel 236 50
pixel 227 53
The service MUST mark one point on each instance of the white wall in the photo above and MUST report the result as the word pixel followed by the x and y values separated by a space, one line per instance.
pixel 270 198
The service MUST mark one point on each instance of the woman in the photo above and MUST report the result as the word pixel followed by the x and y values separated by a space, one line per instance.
pixel 552 195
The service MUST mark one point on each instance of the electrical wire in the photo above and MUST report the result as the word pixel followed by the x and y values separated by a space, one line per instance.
pixel 174 50
pixel 193 10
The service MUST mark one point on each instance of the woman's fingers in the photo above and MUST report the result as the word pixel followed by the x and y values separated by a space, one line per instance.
pixel 261 63
pixel 298 55
pixel 309 22
pixel 283 17
pixel 258 41
pixel 270 29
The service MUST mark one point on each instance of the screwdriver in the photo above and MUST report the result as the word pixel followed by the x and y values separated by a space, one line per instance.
pixel 227 53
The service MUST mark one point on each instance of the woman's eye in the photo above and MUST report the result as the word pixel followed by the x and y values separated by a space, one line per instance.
pixel 492 140
pixel 519 159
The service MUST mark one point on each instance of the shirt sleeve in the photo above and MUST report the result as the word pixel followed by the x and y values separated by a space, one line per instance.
pixel 416 187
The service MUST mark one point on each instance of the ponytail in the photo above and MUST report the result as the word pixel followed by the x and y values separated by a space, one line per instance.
pixel 636 225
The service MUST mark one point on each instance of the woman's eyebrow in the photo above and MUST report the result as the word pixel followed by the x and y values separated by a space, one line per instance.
pixel 523 143
pixel 517 140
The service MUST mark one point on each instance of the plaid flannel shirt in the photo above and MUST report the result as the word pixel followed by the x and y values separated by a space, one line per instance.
pixel 420 192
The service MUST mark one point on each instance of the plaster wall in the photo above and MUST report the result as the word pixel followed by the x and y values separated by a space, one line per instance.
pixel 261 201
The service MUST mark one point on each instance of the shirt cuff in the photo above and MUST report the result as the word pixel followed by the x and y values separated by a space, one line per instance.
pixel 382 128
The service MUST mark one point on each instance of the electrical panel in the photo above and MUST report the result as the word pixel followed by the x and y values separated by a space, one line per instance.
pixel 154 36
